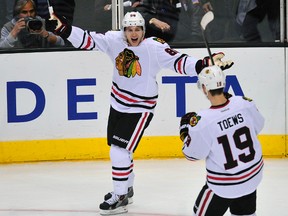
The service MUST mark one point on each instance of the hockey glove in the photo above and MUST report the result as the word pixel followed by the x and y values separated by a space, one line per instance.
pixel 217 58
pixel 59 26
pixel 184 123
pixel 50 25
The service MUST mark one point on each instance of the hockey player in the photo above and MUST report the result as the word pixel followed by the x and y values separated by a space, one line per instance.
pixel 225 135
pixel 134 91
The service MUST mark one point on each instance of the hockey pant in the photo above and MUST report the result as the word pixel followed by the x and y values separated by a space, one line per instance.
pixel 210 204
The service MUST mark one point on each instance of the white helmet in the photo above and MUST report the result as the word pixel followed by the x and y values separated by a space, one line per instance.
pixel 211 77
pixel 133 19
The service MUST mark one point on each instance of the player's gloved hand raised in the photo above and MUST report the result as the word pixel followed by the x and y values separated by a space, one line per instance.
pixel 217 58
pixel 58 26
pixel 184 123
pixel 50 25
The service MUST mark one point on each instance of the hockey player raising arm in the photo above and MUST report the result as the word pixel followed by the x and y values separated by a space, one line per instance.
pixel 134 92
pixel 225 135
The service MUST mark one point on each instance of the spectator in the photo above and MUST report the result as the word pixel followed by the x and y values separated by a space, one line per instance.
pixel 225 136
pixel 224 26
pixel 189 21
pixel 16 34
pixel 102 20
pixel 195 17
pixel 252 12
pixel 6 11
pixel 161 17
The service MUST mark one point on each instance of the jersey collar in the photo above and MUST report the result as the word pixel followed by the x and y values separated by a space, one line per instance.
pixel 220 106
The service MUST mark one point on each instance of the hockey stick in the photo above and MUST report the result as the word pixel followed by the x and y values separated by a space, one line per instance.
pixel 206 19
pixel 50 8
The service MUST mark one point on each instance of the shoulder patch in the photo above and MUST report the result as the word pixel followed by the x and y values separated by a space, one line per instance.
pixel 194 120
pixel 159 40
pixel 246 98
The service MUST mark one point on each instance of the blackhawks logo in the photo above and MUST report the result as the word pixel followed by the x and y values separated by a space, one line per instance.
pixel 127 64
pixel 194 120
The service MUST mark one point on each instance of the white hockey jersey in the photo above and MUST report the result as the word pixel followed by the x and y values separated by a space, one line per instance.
pixel 134 85
pixel 226 136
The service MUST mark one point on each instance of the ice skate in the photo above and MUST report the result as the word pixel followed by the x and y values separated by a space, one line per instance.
pixel 129 194
pixel 116 204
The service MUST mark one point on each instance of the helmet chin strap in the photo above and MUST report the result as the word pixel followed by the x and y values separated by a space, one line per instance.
pixel 204 90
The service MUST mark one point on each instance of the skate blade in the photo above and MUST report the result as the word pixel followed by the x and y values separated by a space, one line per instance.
pixel 119 210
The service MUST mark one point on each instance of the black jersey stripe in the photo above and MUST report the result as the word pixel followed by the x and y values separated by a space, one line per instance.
pixel 132 94
pixel 132 104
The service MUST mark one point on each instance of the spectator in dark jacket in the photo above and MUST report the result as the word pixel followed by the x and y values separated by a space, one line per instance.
pixel 161 17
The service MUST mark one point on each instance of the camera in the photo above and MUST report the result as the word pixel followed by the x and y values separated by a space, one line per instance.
pixel 34 24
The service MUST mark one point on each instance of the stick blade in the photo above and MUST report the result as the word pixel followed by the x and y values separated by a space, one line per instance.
pixel 206 19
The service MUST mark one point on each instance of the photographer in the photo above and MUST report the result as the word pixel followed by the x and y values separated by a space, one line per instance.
pixel 26 30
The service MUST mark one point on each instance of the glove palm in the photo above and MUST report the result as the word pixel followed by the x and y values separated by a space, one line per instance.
pixel 217 58
pixel 58 26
